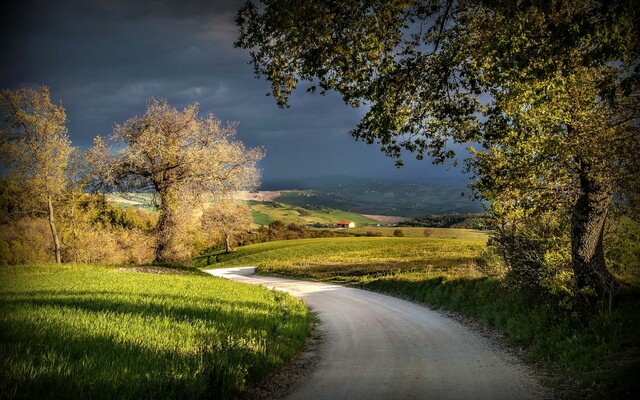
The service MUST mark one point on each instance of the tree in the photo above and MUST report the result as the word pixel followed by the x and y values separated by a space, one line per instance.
pixel 35 148
pixel 180 157
pixel 548 89
pixel 228 218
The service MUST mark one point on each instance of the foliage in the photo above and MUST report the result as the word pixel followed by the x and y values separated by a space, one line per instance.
pixel 623 248
pixel 548 89
pixel 535 251
pixel 228 218
pixel 35 148
pixel 467 221
pixel 181 157
pixel 442 233
pixel 105 332
pixel 90 230
pixel 26 240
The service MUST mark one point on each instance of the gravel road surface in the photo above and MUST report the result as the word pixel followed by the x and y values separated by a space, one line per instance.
pixel 381 347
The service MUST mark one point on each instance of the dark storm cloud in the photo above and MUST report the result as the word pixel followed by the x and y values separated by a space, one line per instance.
pixel 104 60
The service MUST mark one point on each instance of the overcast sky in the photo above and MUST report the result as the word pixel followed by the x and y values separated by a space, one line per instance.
pixel 104 59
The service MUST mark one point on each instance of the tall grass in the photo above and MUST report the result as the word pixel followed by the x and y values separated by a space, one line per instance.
pixel 352 255
pixel 86 331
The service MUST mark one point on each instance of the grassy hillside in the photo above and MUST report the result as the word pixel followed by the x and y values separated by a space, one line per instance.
pixel 358 256
pixel 137 200
pixel 595 357
pixel 265 212
pixel 384 198
pixel 80 331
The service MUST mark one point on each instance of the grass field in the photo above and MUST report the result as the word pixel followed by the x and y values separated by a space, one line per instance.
pixel 350 259
pixel 80 331
pixel 598 357
pixel 265 212
pixel 137 200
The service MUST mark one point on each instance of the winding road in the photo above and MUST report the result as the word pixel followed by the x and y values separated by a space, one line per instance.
pixel 381 347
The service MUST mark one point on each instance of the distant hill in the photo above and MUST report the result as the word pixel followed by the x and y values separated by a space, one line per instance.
pixel 370 196
pixel 265 212
pixel 328 200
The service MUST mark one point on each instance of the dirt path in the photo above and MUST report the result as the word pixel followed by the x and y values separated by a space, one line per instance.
pixel 381 347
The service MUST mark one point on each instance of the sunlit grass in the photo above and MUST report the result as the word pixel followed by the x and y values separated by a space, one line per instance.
pixel 443 273
pixel 325 257
pixel 101 332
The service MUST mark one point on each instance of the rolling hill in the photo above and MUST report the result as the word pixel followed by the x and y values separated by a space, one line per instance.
pixel 396 198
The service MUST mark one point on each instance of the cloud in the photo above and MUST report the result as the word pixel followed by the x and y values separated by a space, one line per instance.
pixel 104 60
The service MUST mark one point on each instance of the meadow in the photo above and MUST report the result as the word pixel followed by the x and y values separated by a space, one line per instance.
pixel 342 258
pixel 266 212
pixel 595 356
pixel 89 331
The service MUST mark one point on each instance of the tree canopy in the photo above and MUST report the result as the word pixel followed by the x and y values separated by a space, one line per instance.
pixel 180 157
pixel 546 91
pixel 36 150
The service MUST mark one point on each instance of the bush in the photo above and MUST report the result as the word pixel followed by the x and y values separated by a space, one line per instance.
pixel 398 233
pixel 27 240
pixel 536 253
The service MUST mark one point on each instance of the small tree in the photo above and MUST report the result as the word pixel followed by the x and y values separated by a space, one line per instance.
pixel 179 156
pixel 228 218
pixel 35 148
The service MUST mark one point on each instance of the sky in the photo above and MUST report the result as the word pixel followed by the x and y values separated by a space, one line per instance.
pixel 103 60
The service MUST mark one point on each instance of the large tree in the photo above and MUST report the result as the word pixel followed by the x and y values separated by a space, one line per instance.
pixel 35 148
pixel 549 90
pixel 179 156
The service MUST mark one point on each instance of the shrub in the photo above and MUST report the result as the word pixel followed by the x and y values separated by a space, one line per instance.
pixel 27 240
pixel 536 254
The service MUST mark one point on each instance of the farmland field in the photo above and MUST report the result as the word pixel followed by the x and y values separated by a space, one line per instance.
pixel 265 212
pixel 105 332
pixel 354 258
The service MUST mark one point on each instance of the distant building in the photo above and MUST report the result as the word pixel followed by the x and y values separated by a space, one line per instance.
pixel 346 224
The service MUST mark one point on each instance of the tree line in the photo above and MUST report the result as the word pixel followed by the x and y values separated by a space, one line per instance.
pixel 192 164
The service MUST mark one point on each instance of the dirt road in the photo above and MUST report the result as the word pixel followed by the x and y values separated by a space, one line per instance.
pixel 381 347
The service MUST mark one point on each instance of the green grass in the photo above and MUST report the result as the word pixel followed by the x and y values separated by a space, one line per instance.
pixel 601 351
pixel 343 258
pixel 80 331
pixel 265 212
pixel 138 200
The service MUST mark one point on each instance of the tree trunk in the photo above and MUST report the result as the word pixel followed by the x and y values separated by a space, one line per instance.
pixel 166 225
pixel 54 233
pixel 587 233
pixel 227 243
